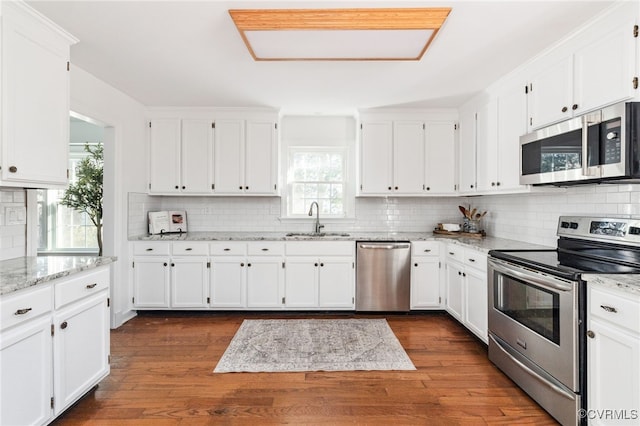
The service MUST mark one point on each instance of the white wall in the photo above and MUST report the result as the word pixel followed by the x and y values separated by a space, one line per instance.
pixel 12 237
pixel 125 170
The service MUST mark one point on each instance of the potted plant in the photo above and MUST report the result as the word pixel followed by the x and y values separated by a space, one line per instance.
pixel 85 195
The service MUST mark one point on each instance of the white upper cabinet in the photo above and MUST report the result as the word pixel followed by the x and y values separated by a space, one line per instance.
pixel 35 99
pixel 487 145
pixel 408 157
pixel 180 156
pixel 597 67
pixel 440 174
pixel 467 151
pixel 376 157
pixel 246 157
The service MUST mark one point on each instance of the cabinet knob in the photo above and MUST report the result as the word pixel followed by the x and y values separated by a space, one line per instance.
pixel 471 186
pixel 22 311
pixel 591 334
pixel 90 286
pixel 497 183
pixel 396 188
pixel 184 187
pixel 249 265
pixel 64 325
pixel 564 109
pixel 464 274
pixel 415 264
pixel 240 187
pixel 428 188
pixel 315 264
pixel 13 169
pixel 177 187
pixel 389 188
pixel 246 187
pixel 493 184
pixel 574 107
pixel 459 273
pixel 165 264
pixel 173 264
pixel 322 264
pixel 242 264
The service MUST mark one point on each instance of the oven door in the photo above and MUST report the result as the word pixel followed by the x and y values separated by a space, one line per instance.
pixel 537 316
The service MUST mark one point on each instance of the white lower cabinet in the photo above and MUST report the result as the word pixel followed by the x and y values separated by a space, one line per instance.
pixel 613 356
pixel 265 278
pixel 425 275
pixel 189 282
pixel 26 373
pixel 320 275
pixel 467 292
pixel 54 346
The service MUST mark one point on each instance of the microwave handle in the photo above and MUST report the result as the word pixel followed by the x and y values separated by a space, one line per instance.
pixel 587 119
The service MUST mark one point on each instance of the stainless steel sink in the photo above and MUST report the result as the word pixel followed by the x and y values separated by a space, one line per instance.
pixel 317 234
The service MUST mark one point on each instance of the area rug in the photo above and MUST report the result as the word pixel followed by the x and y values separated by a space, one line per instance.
pixel 314 345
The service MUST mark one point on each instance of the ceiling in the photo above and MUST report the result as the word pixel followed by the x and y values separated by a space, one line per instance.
pixel 189 53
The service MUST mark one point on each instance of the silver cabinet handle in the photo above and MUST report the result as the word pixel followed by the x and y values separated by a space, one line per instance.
pixel 23 311
pixel 609 309
pixel 384 246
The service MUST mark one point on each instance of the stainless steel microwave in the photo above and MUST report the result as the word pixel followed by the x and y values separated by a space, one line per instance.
pixel 596 147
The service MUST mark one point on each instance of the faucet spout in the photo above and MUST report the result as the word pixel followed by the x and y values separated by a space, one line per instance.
pixel 318 226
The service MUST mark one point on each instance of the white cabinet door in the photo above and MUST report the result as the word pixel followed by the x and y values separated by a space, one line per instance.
pixel 440 158
pixel 408 157
pixel 613 370
pixel 376 158
pixel 425 282
pixel 336 283
pixel 151 282
pixel 301 282
pixel 512 123
pixel 604 69
pixel 550 96
pixel 264 278
pixel 35 101
pixel 164 156
pixel 467 153
pixel 455 291
pixel 228 282
pixel 196 155
pixel 476 303
pixel 487 146
pixel 26 373
pixel 189 282
pixel 81 348
pixel 260 171
pixel 229 156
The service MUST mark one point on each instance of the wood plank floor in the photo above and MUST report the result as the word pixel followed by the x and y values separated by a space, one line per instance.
pixel 162 363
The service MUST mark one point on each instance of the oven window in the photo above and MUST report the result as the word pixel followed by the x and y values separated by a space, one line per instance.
pixel 531 306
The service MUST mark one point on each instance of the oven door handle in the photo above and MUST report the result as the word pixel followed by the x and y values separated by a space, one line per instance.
pixel 532 373
pixel 549 283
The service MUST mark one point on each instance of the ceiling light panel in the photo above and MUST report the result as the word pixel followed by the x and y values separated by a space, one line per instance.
pixel 339 34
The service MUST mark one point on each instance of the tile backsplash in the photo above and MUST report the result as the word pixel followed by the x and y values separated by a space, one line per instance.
pixel 530 217
pixel 12 237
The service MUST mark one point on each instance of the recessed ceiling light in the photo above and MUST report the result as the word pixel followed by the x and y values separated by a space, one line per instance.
pixel 338 34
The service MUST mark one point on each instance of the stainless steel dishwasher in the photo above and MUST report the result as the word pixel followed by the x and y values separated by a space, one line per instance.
pixel 383 276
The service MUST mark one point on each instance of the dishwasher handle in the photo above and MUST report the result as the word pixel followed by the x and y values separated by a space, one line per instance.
pixel 390 246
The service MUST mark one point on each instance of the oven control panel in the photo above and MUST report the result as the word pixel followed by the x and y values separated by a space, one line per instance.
pixel 598 228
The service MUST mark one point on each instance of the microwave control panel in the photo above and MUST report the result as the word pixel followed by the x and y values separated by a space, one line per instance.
pixel 611 143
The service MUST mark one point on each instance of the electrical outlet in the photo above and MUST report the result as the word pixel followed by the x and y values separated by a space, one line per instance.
pixel 15 216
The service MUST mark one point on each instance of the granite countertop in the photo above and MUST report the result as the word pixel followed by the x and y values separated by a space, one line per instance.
pixel 23 272
pixel 629 283
pixel 483 244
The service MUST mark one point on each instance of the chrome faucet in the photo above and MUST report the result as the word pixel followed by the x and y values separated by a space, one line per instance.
pixel 318 226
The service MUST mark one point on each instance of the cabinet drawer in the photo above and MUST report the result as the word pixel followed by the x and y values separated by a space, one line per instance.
pixel 151 248
pixel 25 304
pixel 231 248
pixel 425 248
pixel 475 259
pixel 455 252
pixel 190 248
pixel 80 286
pixel 320 248
pixel 617 309
pixel 266 248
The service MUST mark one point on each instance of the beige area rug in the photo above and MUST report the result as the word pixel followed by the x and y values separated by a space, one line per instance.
pixel 314 345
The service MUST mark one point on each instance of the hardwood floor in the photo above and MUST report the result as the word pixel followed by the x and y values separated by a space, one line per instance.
pixel 162 363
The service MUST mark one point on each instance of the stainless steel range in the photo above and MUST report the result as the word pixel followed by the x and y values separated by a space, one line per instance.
pixel 537 303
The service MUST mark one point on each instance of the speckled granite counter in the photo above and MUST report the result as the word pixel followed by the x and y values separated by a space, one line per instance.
pixel 23 272
pixel 482 244
pixel 629 283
